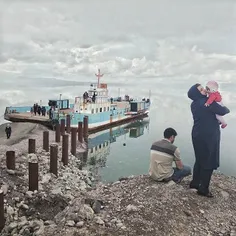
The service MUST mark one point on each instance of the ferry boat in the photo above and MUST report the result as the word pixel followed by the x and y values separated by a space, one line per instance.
pixel 101 109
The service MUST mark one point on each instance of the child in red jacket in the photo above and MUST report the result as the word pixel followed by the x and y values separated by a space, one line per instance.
pixel 214 96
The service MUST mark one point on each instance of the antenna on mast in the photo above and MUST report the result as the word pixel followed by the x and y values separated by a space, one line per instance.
pixel 98 75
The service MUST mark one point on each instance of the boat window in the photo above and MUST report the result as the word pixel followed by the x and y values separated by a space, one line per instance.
pixel 108 109
pixel 100 109
pixel 104 108
pixel 92 111
pixel 100 146
pixel 96 148
pixel 96 110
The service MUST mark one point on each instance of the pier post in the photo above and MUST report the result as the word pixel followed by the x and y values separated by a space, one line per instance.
pixel 31 147
pixel 68 123
pixel 85 128
pixel 83 156
pixel 2 219
pixel 73 141
pixel 80 131
pixel 46 140
pixel 33 176
pixel 10 160
pixel 53 158
pixel 57 133
pixel 65 144
pixel 63 122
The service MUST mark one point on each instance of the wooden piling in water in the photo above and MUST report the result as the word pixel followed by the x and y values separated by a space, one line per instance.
pixel 2 219
pixel 58 133
pixel 46 140
pixel 65 143
pixel 85 128
pixel 73 141
pixel 68 124
pixel 33 176
pixel 63 123
pixel 53 158
pixel 31 146
pixel 80 131
pixel 10 160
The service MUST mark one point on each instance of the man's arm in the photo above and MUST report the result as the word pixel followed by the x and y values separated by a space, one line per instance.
pixel 218 109
pixel 177 160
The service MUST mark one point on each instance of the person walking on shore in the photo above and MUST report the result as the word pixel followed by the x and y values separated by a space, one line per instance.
pixel 205 138
pixel 8 131
pixel 163 154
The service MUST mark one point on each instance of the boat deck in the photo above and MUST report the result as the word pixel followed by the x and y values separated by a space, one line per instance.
pixel 28 117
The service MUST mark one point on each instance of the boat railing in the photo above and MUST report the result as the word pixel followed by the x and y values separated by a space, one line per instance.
pixel 98 100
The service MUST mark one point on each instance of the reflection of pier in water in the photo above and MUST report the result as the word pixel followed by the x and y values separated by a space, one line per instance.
pixel 99 144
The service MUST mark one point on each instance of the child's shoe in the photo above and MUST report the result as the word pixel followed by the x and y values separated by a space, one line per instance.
pixel 223 126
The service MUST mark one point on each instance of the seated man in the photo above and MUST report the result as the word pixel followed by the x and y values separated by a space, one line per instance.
pixel 163 154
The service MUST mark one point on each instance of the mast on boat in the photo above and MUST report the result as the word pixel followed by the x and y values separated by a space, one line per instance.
pixel 99 75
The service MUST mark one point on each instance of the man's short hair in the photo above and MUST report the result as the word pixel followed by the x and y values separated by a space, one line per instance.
pixel 169 132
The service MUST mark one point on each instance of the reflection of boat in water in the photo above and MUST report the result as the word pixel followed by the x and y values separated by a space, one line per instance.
pixel 99 143
pixel 137 128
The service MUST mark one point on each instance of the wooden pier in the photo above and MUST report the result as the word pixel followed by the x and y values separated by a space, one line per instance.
pixel 44 120
pixel 28 117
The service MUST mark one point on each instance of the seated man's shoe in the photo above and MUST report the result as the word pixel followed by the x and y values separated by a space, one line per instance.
pixel 209 194
pixel 177 181
pixel 167 180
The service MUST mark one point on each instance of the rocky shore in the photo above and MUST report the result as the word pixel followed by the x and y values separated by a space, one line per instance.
pixel 71 205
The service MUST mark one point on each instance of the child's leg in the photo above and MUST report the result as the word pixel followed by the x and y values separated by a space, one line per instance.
pixel 221 118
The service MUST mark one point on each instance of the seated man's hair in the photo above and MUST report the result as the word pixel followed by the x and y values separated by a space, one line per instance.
pixel 169 132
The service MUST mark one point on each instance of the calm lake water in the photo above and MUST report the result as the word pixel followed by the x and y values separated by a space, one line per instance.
pixel 124 150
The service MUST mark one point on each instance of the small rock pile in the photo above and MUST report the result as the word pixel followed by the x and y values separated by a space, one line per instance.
pixel 28 212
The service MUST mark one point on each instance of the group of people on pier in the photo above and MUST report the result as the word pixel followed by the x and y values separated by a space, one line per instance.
pixel 37 109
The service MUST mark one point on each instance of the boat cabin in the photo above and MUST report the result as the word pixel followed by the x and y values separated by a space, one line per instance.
pixel 60 104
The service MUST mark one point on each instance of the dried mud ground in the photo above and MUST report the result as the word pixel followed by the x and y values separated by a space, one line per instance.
pixel 145 207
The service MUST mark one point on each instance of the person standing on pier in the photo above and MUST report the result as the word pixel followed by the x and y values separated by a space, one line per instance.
pixel 35 108
pixel 8 131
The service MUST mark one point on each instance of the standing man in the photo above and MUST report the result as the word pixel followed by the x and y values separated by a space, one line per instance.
pixel 8 131
pixel 163 154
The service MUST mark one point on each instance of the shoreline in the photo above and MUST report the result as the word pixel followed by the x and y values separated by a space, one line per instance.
pixel 71 204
